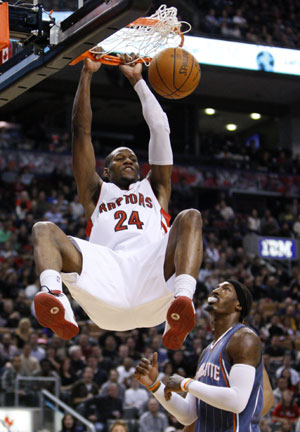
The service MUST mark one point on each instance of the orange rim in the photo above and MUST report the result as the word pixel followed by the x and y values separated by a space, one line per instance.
pixel 107 59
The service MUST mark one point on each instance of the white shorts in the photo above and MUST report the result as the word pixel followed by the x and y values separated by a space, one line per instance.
pixel 122 290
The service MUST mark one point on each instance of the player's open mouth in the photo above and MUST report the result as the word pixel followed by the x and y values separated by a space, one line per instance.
pixel 128 169
pixel 212 299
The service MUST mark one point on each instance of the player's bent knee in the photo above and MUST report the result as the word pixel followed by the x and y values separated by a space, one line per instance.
pixel 191 217
pixel 42 229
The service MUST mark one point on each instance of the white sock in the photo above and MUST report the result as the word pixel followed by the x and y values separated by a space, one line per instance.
pixel 185 285
pixel 51 279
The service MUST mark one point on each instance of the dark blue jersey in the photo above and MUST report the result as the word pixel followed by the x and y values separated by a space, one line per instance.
pixel 214 369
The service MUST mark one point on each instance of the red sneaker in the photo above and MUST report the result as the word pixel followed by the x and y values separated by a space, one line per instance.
pixel 53 310
pixel 181 319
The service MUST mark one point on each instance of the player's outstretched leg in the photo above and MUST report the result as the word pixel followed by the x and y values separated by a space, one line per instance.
pixel 184 257
pixel 53 252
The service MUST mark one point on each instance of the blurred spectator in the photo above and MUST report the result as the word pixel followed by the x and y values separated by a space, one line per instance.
pixel 67 378
pixel 274 328
pixel 103 363
pixel 68 424
pixel 126 371
pixel 162 353
pixel 286 409
pixel 78 361
pixel 100 375
pixel 46 371
pixel 11 372
pixel 113 379
pixel 100 409
pixel 7 349
pixel 23 205
pixel 286 364
pixel 42 205
pixel 211 22
pixel 84 389
pixel 54 215
pixel 76 208
pixel 110 346
pixel 296 226
pixel 254 222
pixel 23 332
pixel 5 231
pixel 275 350
pixel 226 211
pixel 9 317
pixel 36 350
pixel 29 364
pixel 85 345
pixel 135 396
pixel 212 252
pixel 239 19
pixel 282 385
pixel 52 357
pixel 153 419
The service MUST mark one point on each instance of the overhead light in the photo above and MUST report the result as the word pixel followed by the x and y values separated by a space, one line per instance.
pixel 255 116
pixel 231 127
pixel 210 111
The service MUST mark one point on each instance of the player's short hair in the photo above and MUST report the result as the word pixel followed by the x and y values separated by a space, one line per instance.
pixel 109 157
pixel 108 160
pixel 244 297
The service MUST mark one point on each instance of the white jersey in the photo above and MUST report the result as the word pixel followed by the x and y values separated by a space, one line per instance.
pixel 122 284
pixel 127 219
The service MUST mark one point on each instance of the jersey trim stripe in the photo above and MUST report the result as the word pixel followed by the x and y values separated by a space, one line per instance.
pixel 166 215
pixel 223 371
pixel 225 375
pixel 89 226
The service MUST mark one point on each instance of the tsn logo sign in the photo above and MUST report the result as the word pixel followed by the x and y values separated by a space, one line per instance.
pixel 277 248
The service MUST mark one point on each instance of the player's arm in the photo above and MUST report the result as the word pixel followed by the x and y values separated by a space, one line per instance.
pixel 184 409
pixel 268 394
pixel 84 161
pixel 244 351
pixel 160 151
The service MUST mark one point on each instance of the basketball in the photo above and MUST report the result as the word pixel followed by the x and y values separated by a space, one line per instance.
pixel 174 73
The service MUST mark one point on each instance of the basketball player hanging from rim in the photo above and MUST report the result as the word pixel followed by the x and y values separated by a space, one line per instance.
pixel 135 270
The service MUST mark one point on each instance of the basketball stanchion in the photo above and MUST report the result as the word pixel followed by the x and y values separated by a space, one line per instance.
pixel 4 26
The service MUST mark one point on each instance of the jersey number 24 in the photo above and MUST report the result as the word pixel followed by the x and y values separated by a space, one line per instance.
pixel 122 224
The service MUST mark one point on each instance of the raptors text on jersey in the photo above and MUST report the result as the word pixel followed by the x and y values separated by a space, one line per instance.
pixel 125 219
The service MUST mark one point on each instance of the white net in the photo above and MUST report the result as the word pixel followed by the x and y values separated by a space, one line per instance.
pixel 147 36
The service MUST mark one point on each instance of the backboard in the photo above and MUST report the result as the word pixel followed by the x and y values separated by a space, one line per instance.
pixel 83 29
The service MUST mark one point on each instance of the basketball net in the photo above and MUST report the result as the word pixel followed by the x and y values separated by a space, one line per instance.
pixel 144 37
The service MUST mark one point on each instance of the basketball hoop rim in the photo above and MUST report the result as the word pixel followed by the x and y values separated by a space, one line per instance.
pixel 114 60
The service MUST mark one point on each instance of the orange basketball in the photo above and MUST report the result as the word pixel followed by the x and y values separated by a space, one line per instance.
pixel 174 73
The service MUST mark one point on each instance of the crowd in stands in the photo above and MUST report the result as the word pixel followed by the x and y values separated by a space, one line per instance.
pixel 253 21
pixel 216 149
pixel 259 22
pixel 96 368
